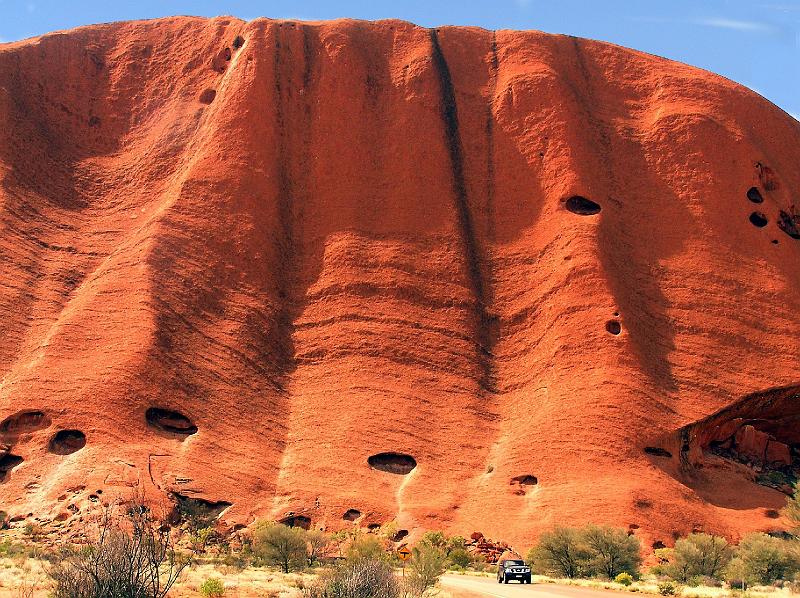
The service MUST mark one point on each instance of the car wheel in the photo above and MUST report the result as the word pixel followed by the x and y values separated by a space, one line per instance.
pixel 505 580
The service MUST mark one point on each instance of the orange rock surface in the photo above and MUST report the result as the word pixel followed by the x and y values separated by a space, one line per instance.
pixel 348 273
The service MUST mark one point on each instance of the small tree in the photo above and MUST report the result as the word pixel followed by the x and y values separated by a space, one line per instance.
pixel 427 566
pixel 459 557
pixel 131 554
pixel 699 555
pixel 366 547
pixel 317 543
pixel 612 551
pixel 735 574
pixel 765 559
pixel 560 553
pixel 282 546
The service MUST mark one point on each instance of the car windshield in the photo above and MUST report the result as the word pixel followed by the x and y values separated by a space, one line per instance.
pixel 514 563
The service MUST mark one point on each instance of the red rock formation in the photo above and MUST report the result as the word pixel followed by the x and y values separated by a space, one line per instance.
pixel 751 443
pixel 474 256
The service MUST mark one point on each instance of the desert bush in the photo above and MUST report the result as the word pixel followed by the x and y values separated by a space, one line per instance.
pixel 280 546
pixel 200 538
pixel 459 557
pixel 427 566
pixel 130 555
pixel 10 549
pixel 792 509
pixel 667 588
pixel 456 543
pixel 698 556
pixel 762 559
pixel 360 578
pixel 560 553
pixel 366 547
pixel 435 539
pixel 212 588
pixel 612 551
pixel 624 579
pixel 590 551
pixel 33 531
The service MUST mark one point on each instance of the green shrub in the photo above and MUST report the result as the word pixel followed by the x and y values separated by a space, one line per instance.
pixel 697 556
pixel 792 510
pixel 212 588
pixel 456 543
pixel 200 538
pixel 281 546
pixel 763 559
pixel 366 547
pixel 560 553
pixel 435 539
pixel 590 551
pixel 667 588
pixel 735 574
pixel 625 579
pixel 427 566
pixel 459 558
pixel 612 551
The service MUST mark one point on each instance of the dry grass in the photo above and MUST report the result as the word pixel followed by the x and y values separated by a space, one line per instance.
pixel 248 583
pixel 25 578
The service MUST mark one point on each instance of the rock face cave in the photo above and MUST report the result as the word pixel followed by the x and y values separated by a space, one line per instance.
pixel 761 432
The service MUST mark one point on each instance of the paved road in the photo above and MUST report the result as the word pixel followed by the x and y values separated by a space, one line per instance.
pixel 488 586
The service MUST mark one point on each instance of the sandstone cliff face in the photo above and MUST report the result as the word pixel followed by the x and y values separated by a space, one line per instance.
pixel 367 272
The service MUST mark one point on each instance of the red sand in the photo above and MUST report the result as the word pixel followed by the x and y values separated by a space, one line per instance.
pixel 351 238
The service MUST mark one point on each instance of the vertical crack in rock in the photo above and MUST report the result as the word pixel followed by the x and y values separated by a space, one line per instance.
pixel 285 240
pixel 288 188
pixel 490 174
pixel 469 240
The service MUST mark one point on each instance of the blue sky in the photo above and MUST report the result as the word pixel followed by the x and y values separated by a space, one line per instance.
pixel 754 42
